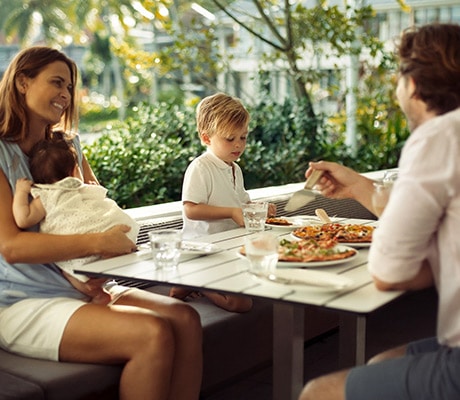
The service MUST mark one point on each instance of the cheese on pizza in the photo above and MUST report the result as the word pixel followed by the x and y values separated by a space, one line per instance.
pixel 343 233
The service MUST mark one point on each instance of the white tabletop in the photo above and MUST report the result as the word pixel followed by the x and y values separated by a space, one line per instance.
pixel 226 270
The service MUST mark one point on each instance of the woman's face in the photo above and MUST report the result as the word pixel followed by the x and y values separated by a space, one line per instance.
pixel 47 96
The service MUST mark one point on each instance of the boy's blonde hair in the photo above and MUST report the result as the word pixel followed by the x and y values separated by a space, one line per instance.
pixel 220 114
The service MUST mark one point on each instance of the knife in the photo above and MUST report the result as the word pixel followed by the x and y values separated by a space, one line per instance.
pixel 304 196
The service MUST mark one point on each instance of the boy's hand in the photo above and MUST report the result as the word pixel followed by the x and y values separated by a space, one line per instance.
pixel 237 216
pixel 271 210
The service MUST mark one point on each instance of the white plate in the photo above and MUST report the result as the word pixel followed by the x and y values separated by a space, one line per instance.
pixel 188 248
pixel 199 248
pixel 300 279
pixel 295 223
pixel 316 264
pixel 359 244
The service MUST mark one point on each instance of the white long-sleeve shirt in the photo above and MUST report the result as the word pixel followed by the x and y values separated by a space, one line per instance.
pixel 422 219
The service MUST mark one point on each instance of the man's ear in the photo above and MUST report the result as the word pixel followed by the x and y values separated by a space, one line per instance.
pixel 411 86
pixel 21 83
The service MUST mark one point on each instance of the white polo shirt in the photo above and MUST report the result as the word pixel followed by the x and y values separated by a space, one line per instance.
pixel 422 219
pixel 209 180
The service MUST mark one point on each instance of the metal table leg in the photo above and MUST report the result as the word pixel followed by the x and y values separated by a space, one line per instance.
pixel 352 340
pixel 288 350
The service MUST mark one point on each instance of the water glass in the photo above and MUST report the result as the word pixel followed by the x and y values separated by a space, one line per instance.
pixel 262 252
pixel 382 190
pixel 255 214
pixel 166 248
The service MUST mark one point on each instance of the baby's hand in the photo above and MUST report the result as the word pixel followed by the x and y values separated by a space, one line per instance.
pixel 24 185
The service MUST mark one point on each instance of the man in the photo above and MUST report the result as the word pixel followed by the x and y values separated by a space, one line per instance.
pixel 417 242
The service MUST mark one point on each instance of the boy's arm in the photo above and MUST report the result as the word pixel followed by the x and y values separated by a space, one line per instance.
pixel 26 214
pixel 204 212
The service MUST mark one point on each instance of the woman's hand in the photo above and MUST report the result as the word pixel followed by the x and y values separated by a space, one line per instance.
pixel 92 288
pixel 114 242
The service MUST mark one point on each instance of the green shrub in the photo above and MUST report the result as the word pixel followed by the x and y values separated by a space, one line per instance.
pixel 142 161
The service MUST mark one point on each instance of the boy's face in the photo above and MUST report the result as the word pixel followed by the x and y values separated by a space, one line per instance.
pixel 228 148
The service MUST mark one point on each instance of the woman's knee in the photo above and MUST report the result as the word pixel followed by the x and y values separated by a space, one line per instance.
pixel 154 333
pixel 185 314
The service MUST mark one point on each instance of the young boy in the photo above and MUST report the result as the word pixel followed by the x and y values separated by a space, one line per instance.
pixel 213 188
pixel 62 203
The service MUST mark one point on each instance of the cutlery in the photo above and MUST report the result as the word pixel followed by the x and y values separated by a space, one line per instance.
pixel 322 215
pixel 305 195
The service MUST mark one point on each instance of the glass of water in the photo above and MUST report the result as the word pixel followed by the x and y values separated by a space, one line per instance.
pixel 166 248
pixel 255 214
pixel 262 252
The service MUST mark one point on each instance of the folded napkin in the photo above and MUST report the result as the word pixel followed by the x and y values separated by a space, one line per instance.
pixel 297 276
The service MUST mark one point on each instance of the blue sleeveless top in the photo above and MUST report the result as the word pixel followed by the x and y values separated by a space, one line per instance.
pixel 20 281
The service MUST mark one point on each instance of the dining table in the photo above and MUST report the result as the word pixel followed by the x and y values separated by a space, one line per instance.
pixel 215 262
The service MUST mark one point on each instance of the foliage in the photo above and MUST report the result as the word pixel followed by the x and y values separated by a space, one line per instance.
pixel 142 162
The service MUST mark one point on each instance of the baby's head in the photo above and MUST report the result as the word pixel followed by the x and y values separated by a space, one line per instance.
pixel 52 160
pixel 220 114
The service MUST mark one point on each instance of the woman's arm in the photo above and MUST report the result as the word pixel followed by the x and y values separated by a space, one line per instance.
pixel 88 174
pixel 30 247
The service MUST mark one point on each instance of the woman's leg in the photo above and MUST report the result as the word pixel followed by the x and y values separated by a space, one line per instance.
pixel 143 338
pixel 186 326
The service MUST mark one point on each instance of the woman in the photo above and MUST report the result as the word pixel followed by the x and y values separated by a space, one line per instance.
pixel 157 338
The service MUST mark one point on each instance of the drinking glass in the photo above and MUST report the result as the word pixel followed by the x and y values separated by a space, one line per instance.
pixel 166 248
pixel 262 252
pixel 255 214
pixel 382 190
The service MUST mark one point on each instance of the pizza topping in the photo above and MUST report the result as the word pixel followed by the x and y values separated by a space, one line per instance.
pixel 312 250
pixel 343 233
pixel 278 221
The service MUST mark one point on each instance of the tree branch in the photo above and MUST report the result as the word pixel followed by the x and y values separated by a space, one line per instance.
pixel 250 30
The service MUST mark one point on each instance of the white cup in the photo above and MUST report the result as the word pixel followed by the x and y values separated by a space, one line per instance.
pixel 255 214
pixel 262 252
pixel 166 245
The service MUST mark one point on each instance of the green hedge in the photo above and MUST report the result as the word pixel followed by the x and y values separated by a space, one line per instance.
pixel 142 161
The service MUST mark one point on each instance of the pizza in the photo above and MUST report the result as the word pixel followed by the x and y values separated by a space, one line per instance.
pixel 278 221
pixel 342 233
pixel 310 250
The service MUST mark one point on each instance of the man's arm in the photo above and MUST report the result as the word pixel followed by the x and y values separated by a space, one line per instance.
pixel 424 279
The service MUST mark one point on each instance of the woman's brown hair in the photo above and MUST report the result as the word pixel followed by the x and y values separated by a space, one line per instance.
pixel 30 62
pixel 430 55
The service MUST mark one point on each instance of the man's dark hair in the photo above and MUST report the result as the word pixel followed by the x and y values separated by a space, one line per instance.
pixel 430 55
